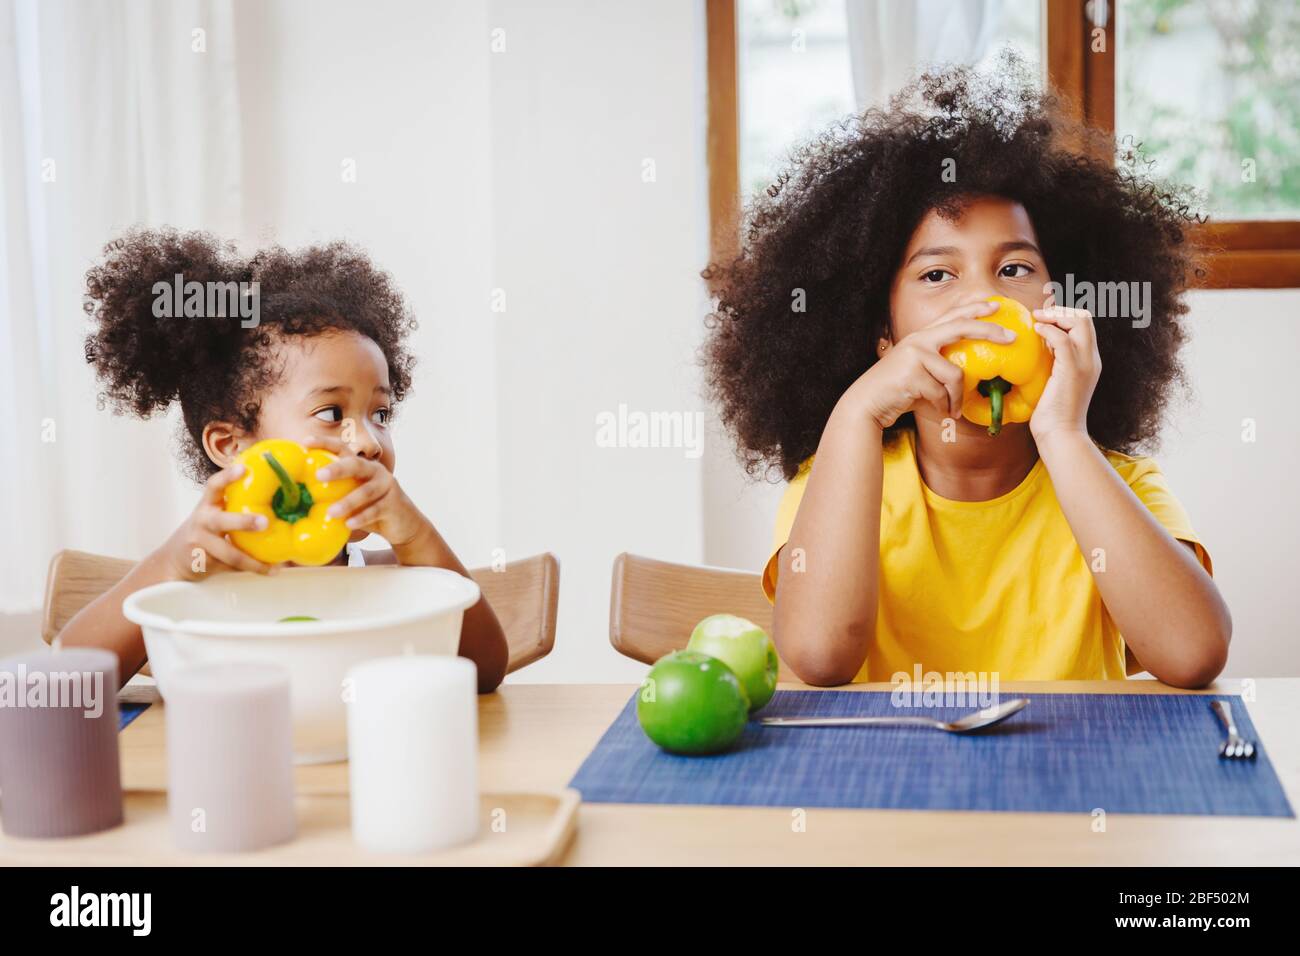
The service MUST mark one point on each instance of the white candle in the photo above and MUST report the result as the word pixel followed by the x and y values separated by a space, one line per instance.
pixel 230 757
pixel 413 752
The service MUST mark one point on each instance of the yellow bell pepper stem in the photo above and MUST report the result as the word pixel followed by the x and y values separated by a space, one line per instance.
pixel 293 500
pixel 993 389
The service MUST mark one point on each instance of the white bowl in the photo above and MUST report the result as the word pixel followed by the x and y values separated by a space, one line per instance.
pixel 363 612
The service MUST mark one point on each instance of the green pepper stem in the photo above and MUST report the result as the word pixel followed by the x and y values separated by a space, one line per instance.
pixel 995 389
pixel 288 487
pixel 995 409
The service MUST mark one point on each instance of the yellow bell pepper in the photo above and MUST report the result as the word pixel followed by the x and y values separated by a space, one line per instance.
pixel 1003 381
pixel 280 483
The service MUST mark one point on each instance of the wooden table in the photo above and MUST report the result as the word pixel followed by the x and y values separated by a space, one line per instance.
pixel 534 737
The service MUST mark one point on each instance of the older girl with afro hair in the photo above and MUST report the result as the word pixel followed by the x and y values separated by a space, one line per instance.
pixel 911 539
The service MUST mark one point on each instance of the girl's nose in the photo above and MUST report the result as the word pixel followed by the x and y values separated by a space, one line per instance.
pixel 369 448
pixel 365 445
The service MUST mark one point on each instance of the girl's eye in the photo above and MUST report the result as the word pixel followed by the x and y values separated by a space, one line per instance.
pixel 935 275
pixel 1014 275
pixel 383 416
pixel 334 412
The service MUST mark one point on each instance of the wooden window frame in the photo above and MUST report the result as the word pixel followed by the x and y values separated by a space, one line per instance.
pixel 723 143
pixel 1237 254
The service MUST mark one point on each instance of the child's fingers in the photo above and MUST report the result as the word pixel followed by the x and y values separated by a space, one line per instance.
pixel 1057 339
pixel 229 555
pixel 954 330
pixel 354 501
pixel 353 466
pixel 924 386
pixel 366 517
pixel 1077 322
pixel 970 310
pixel 329 443
pixel 214 488
pixel 950 377
pixel 1065 318
pixel 223 522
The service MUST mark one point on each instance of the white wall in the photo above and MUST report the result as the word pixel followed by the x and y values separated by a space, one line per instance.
pixel 401 91
pixel 1241 496
pixel 519 170
pixel 603 301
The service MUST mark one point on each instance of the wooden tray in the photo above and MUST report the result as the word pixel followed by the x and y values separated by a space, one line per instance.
pixel 533 829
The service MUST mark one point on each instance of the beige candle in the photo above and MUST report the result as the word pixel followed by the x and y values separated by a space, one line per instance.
pixel 230 757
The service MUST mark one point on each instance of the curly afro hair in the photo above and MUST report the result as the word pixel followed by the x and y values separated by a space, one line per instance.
pixel 836 222
pixel 215 368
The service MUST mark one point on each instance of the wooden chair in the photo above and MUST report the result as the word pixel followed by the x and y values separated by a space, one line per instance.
pixel 525 596
pixel 654 605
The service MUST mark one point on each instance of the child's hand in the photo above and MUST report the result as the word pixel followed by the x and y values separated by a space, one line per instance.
pixel 1076 366
pixel 912 371
pixel 200 546
pixel 379 505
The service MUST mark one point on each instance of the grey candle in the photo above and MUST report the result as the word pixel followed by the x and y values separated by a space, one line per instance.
pixel 59 768
pixel 229 757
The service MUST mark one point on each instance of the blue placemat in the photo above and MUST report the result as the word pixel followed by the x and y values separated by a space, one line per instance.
pixel 1065 753
pixel 128 713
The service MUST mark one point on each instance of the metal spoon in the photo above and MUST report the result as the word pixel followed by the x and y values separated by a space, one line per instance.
pixel 963 725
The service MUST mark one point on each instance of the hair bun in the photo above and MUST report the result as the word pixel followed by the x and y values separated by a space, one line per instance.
pixel 145 358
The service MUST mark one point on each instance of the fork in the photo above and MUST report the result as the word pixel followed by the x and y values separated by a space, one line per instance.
pixel 1235 747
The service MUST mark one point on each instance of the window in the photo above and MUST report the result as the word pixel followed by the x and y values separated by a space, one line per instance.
pixel 1206 87
pixel 794 60
pixel 797 73
pixel 1212 91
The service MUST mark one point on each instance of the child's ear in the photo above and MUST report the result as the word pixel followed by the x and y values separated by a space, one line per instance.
pixel 222 442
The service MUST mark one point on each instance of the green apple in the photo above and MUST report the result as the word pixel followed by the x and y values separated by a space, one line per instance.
pixel 692 703
pixel 744 647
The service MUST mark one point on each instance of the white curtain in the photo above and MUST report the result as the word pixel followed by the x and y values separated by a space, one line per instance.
pixel 397 127
pixel 111 114
pixel 889 40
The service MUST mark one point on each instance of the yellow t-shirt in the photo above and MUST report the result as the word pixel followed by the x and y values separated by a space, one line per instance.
pixel 996 586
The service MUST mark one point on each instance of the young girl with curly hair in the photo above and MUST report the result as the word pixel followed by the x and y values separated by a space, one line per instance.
pixel 325 349
pixel 910 537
